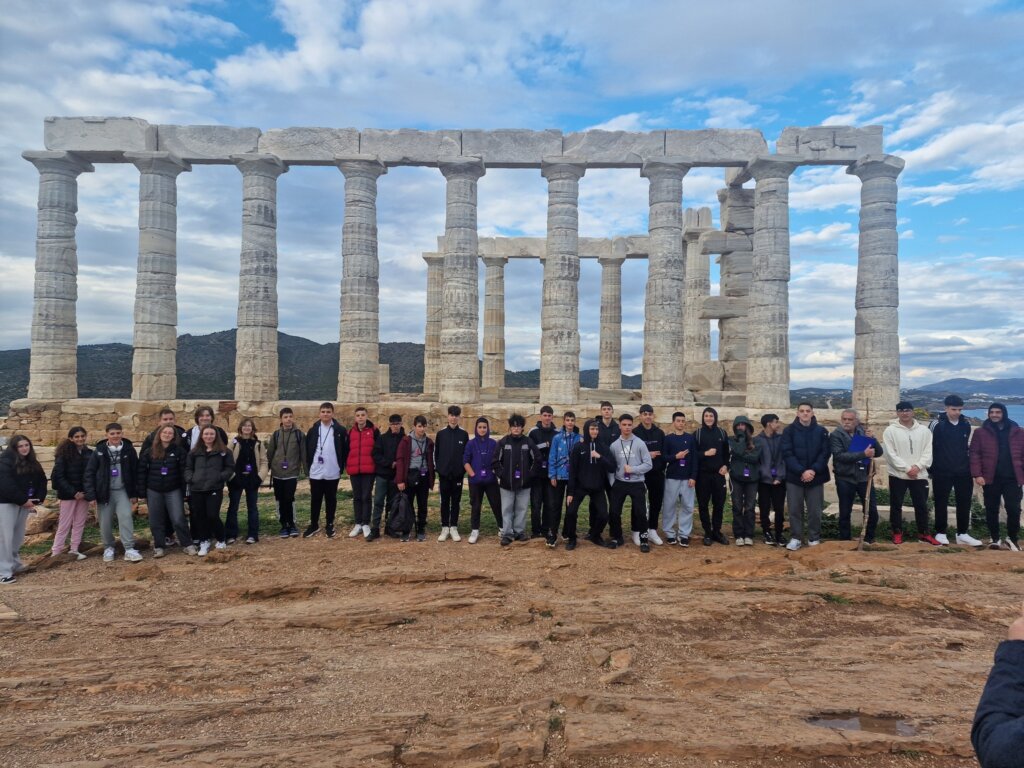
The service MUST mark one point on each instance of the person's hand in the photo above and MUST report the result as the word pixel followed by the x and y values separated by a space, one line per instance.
pixel 568 499
pixel 682 454
pixel 401 486
pixel 979 481
pixel 627 469
pixel 869 452
pixel 807 475
pixel 723 470
pixel 79 496
pixel 692 483
pixel 29 505
pixel 1017 628
pixel 655 454
pixel 913 472
pixel 710 451
pixel 595 455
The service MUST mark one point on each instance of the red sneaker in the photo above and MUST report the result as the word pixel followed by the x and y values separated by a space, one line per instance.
pixel 897 538
pixel 927 538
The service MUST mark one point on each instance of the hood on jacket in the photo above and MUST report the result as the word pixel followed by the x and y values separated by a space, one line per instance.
pixel 988 423
pixel 481 420
pixel 713 412
pixel 741 419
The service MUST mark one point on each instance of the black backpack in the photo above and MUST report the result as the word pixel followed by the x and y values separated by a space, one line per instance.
pixel 400 517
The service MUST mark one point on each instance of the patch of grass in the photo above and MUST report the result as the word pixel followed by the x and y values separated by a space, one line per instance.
pixel 836 599
pixel 838 577
pixel 555 723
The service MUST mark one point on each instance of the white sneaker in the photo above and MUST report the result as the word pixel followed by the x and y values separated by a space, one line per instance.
pixel 967 540
pixel 814 543
pixel 356 530
pixel 158 552
pixel 190 550
pixel 794 545
pixel 473 536
pixel 366 531
pixel 636 538
pixel 204 548
pixel 444 534
pixel 1011 544
pixel 108 555
pixel 942 539
pixel 740 541
pixel 220 545
pixel 748 541
pixel 132 555
pixel 77 554
pixel 454 533
pixel 653 537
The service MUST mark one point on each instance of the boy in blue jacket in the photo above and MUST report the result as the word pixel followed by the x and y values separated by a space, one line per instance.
pixel 562 444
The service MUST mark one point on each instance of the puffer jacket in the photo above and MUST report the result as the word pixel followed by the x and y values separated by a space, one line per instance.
pixel 907 447
pixel 208 471
pixel 15 488
pixel 162 475
pixel 806 448
pixel 97 472
pixel 744 458
pixel 69 474
pixel 984 451
pixel 515 462
pixel 360 449
pixel 561 449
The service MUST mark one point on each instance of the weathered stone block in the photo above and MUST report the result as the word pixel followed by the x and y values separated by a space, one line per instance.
pixel 511 148
pixel 716 146
pixel 736 373
pixel 99 138
pixel 207 143
pixel 309 146
pixel 614 149
pixel 724 307
pixel 409 147
pixel 830 144
pixel 702 377
pixel 716 241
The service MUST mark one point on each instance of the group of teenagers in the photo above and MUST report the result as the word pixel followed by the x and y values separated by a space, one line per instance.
pixel 541 471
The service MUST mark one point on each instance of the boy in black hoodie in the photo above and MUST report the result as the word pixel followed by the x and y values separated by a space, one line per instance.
pixel 542 434
pixel 590 463
pixel 713 455
pixel 951 471
pixel 653 438
pixel 449 445
pixel 385 450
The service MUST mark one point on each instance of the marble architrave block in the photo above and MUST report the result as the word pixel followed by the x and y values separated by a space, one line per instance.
pixel 716 146
pixel 207 143
pixel 309 146
pixel 506 148
pixel 614 149
pixel 100 139
pixel 716 241
pixel 410 147
pixel 830 144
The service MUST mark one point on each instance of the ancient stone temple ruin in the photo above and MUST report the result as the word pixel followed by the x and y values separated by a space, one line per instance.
pixel 752 245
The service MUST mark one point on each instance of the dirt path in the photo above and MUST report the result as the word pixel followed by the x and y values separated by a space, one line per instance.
pixel 338 653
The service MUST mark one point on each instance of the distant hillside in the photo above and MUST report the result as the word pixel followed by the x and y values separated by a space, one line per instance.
pixel 967 387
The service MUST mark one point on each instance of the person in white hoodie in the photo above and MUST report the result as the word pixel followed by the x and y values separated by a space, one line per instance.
pixel 908 454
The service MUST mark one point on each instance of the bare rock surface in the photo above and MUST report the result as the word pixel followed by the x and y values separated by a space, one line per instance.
pixel 337 652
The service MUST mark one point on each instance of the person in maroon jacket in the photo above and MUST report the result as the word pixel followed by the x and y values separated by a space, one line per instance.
pixel 361 471
pixel 414 472
pixel 997 465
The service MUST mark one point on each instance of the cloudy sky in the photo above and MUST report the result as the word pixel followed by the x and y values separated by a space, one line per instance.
pixel 943 78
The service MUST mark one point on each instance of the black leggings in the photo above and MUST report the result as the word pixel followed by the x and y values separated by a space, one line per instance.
pixel 477 492
pixel 206 509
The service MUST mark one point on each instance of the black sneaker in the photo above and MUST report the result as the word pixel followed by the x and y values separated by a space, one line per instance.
pixel 421 536
pixel 294 532
pixel 619 541
pixel 285 532
pixel 506 541
pixel 329 530
pixel 721 538
pixel 313 530
pixel 596 540
pixel 570 545
pixel 670 540
pixel 684 541
pixel 374 534
pixel 551 541
pixel 611 544
pixel 404 537
pixel 524 537
pixel 7 579
pixel 645 546
pixel 769 539
pixel 707 541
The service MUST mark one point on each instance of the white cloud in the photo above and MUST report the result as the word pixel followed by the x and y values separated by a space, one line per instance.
pixel 836 235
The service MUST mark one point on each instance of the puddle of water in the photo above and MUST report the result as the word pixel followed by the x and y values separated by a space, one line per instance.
pixel 855 721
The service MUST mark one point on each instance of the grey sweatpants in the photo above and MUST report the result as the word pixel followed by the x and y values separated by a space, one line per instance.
pixel 797 498
pixel 513 512
pixel 172 502
pixel 12 535
pixel 121 506
pixel 677 510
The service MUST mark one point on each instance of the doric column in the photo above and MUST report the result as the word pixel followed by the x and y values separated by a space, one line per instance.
pixel 696 287
pixel 53 368
pixel 155 340
pixel 876 361
pixel 359 354
pixel 460 314
pixel 609 374
pixel 768 319
pixel 432 335
pixel 256 340
pixel 494 322
pixel 560 306
pixel 663 311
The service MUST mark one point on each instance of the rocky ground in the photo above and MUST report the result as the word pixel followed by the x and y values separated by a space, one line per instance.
pixel 342 653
